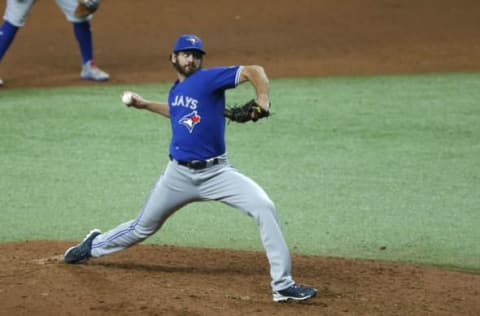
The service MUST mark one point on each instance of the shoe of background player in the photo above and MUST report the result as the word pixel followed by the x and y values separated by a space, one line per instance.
pixel 1 82
pixel 294 292
pixel 82 251
pixel 90 71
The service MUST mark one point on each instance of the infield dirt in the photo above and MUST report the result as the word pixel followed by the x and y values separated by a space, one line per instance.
pixel 132 42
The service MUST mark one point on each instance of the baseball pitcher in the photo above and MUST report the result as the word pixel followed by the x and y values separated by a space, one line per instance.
pixel 199 168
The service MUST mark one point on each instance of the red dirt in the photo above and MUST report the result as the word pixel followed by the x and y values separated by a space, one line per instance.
pixel 165 280
pixel 311 38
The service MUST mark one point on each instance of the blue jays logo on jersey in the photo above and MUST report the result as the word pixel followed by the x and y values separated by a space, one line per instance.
pixel 190 120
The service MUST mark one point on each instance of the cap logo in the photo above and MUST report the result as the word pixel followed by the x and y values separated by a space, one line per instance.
pixel 192 40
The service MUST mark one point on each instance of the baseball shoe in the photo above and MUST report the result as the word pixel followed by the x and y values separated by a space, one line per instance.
pixel 294 292
pixel 82 251
pixel 1 82
pixel 90 71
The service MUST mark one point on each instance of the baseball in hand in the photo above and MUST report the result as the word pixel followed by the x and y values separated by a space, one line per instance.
pixel 127 98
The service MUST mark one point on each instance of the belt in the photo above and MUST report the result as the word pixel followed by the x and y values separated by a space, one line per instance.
pixel 199 164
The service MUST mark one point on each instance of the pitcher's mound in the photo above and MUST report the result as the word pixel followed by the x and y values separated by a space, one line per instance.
pixel 166 280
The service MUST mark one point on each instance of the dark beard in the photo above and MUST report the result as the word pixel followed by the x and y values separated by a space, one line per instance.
pixel 186 73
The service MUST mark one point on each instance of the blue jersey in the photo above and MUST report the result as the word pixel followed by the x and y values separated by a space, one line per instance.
pixel 196 108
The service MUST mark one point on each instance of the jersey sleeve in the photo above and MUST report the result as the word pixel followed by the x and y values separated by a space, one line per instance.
pixel 222 78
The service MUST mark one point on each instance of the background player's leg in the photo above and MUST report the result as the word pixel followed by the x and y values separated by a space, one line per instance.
pixel 7 35
pixel 16 13
pixel 83 34
pixel 233 188
pixel 90 71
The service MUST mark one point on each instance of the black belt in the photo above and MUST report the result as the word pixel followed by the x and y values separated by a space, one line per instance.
pixel 198 164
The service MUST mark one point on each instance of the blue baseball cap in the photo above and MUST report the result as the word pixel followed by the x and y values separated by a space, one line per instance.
pixel 188 42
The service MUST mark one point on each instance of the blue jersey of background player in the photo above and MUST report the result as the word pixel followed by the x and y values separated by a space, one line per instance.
pixel 199 169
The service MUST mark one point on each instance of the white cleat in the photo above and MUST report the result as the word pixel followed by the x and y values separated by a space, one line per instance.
pixel 90 71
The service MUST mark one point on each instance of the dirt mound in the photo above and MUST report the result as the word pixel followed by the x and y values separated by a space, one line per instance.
pixel 165 280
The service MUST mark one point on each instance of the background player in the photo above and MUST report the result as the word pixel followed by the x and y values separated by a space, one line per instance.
pixel 199 169
pixel 16 13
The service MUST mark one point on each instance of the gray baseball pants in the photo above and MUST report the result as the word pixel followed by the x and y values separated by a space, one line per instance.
pixel 180 185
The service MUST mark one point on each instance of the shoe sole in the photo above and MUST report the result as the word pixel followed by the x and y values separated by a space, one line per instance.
pixel 73 262
pixel 279 298
pixel 93 79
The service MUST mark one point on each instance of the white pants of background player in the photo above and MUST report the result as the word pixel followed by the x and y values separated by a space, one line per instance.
pixel 17 11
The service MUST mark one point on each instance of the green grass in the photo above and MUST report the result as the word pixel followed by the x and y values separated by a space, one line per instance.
pixel 384 167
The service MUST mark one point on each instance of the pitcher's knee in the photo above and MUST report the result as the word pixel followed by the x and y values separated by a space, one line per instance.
pixel 270 206
pixel 262 208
